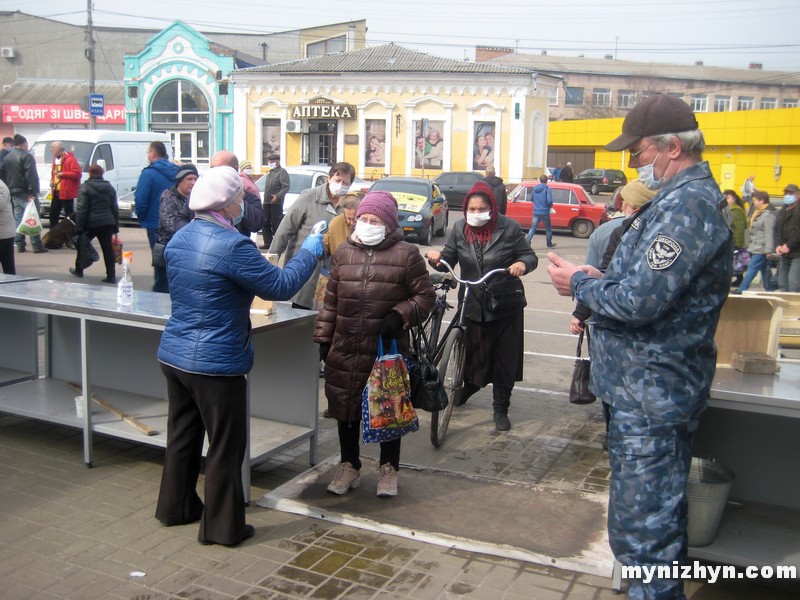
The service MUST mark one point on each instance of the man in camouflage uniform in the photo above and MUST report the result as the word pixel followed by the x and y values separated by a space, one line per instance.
pixel 654 315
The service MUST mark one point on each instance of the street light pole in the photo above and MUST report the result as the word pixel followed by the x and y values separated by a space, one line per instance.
pixel 90 57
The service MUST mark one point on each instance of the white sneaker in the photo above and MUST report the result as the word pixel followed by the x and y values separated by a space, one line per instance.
pixel 346 477
pixel 387 481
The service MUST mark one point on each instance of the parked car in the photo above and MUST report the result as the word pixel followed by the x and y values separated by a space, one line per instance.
pixel 455 185
pixel 595 181
pixel 574 210
pixel 127 208
pixel 422 206
pixel 305 178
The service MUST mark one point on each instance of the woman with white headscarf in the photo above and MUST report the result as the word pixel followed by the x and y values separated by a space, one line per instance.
pixel 205 352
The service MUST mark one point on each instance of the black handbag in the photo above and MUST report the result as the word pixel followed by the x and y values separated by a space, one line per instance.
pixel 579 388
pixel 504 295
pixel 427 391
pixel 87 255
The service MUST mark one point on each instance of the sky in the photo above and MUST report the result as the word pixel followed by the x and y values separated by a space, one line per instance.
pixel 725 33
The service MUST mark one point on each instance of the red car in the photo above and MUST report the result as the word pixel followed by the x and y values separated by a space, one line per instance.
pixel 574 209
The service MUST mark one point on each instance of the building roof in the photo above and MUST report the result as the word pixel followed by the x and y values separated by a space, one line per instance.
pixel 37 91
pixel 385 58
pixel 559 65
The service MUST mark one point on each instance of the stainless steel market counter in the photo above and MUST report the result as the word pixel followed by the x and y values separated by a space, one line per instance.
pixel 110 351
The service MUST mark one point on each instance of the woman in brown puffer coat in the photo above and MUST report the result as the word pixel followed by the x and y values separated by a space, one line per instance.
pixel 375 283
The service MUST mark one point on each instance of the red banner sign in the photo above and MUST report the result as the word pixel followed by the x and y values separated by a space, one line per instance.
pixel 60 113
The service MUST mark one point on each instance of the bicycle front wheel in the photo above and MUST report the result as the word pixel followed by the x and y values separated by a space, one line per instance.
pixel 451 374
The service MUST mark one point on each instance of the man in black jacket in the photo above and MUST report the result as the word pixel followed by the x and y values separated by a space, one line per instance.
pixel 18 171
pixel 498 187
pixel 275 188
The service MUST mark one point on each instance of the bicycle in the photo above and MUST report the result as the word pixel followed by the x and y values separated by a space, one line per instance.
pixel 448 354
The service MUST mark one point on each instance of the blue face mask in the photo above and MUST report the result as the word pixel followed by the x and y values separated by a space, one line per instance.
pixel 647 177
pixel 238 218
pixel 789 199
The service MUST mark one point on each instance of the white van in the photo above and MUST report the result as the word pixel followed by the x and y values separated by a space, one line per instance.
pixel 123 155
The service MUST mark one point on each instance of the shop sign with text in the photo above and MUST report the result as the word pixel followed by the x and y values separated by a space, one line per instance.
pixel 60 113
pixel 322 108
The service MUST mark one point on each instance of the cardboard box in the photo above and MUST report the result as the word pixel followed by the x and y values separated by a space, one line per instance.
pixel 260 306
pixel 748 323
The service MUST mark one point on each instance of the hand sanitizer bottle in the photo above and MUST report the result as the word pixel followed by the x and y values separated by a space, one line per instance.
pixel 125 285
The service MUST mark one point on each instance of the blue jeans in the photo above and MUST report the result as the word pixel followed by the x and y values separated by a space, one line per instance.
pixel 19 203
pixel 758 264
pixel 789 274
pixel 548 228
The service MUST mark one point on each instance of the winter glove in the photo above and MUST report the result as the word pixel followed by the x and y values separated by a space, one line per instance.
pixel 391 328
pixel 313 243
pixel 323 351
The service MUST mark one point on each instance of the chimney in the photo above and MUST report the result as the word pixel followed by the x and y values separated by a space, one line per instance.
pixel 698 63
pixel 484 53
pixel 544 52
pixel 609 57
pixel 756 66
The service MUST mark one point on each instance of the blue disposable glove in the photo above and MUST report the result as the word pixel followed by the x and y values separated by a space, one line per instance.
pixel 313 243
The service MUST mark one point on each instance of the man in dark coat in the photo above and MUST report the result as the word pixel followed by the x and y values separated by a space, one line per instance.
pixel 275 188
pixel 567 176
pixel 18 171
pixel 498 187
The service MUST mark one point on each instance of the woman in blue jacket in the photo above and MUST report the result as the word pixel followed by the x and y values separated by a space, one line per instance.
pixel 205 352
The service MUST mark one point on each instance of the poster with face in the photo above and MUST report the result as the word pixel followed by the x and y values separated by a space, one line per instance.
pixel 375 135
pixel 483 145
pixel 271 136
pixel 429 144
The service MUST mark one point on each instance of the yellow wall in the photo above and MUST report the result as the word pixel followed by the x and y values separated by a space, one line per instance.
pixel 738 144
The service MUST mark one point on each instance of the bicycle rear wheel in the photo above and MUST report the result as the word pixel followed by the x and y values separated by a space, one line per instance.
pixel 451 374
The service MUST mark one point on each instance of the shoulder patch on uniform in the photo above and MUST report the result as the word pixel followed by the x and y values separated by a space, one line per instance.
pixel 662 253
pixel 635 224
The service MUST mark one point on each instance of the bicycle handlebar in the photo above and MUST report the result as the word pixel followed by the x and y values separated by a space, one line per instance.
pixel 486 276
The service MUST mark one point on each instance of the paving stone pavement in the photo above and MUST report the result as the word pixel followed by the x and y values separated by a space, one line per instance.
pixel 72 532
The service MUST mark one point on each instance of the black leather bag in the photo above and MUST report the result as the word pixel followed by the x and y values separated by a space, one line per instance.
pixel 427 391
pixel 579 388
pixel 504 295
pixel 87 255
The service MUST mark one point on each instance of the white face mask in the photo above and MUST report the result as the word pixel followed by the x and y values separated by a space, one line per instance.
pixel 338 189
pixel 370 235
pixel 247 171
pixel 272 165
pixel 647 177
pixel 478 219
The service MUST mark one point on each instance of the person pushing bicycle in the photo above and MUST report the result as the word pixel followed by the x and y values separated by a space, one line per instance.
pixel 485 240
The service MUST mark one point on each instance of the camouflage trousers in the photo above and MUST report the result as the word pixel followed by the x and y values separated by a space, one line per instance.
pixel 647 506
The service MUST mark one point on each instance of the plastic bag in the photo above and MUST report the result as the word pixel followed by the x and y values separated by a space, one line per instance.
pixel 31 224
pixel 87 255
pixel 386 410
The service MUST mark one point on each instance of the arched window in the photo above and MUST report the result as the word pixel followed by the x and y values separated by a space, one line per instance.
pixel 179 101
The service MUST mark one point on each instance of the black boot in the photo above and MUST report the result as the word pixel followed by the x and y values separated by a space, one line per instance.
pixel 501 400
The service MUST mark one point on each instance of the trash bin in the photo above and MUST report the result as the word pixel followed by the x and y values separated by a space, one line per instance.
pixel 707 489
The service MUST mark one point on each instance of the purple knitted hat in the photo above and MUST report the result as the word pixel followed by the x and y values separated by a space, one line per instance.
pixel 381 204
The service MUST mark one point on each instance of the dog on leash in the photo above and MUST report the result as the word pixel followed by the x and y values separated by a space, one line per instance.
pixel 61 235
